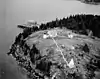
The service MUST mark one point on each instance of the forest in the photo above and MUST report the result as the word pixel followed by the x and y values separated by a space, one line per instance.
pixel 81 24
pixel 94 2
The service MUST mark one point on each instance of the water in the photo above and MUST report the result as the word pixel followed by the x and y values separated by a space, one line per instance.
pixel 14 12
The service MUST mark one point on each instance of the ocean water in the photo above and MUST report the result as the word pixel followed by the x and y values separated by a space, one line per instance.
pixel 14 12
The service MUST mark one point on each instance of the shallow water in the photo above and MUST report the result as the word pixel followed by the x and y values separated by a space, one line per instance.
pixel 14 12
